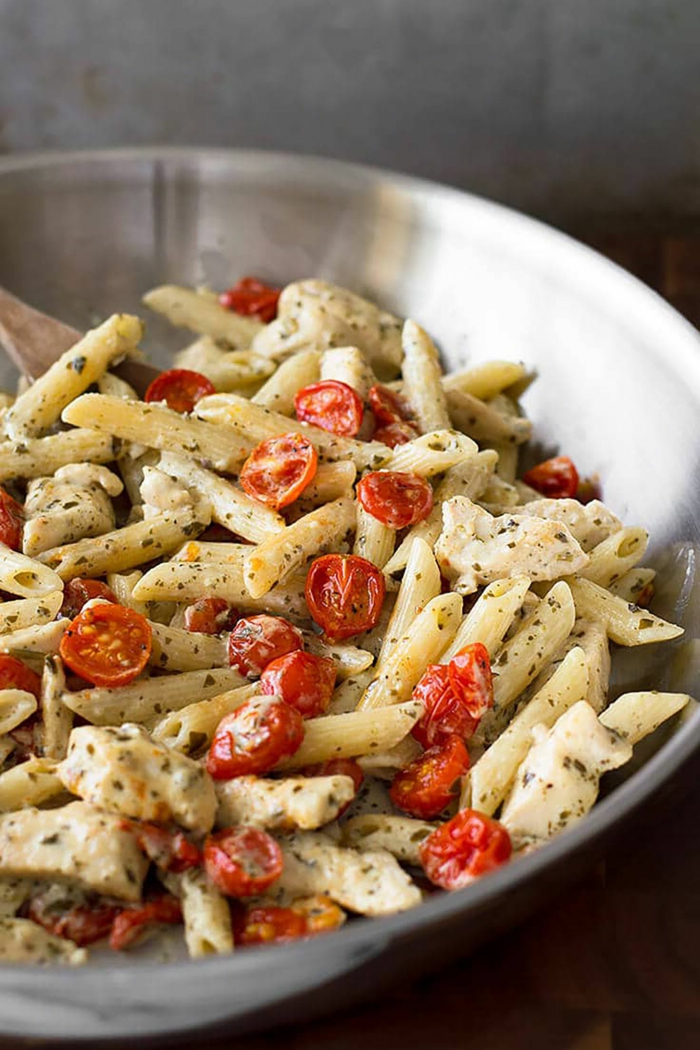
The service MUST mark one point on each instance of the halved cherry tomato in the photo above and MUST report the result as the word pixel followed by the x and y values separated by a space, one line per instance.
pixel 16 675
pixel 344 594
pixel 395 498
pixel 254 738
pixel 471 679
pixel 107 645
pixel 320 914
pixel 170 850
pixel 130 922
pixel 556 478
pixel 242 861
pixel 394 434
pixel 79 591
pixel 302 679
pixel 431 781
pixel 462 849
pixel 385 405
pixel 210 616
pixel 343 767
pixel 267 925
pixel 445 713
pixel 256 640
pixel 588 490
pixel 82 923
pixel 278 470
pixel 11 521
pixel 331 405
pixel 252 298
pixel 180 388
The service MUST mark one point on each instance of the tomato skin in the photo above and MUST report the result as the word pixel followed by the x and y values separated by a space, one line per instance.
pixel 131 921
pixel 242 861
pixel 89 645
pixel 331 405
pixel 386 405
pixel 344 594
pixel 169 850
pixel 320 914
pixel 180 388
pixel 16 675
pixel 471 679
pixel 445 714
pixel 210 616
pixel 462 849
pixel 79 591
pixel 254 738
pixel 303 680
pixel 256 640
pixel 252 298
pixel 427 785
pixel 267 925
pixel 394 434
pixel 11 521
pixel 83 923
pixel 279 469
pixel 395 498
pixel 555 478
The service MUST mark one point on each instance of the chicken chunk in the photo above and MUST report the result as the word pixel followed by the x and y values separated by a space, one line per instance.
pixel 589 523
pixel 293 802
pixel 73 504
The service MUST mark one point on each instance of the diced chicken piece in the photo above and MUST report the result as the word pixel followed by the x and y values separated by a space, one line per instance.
pixel 589 523
pixel 557 783
pixel 475 548
pixel 370 883
pixel 77 843
pixel 21 940
pixel 124 770
pixel 293 802
pixel 160 492
pixel 73 504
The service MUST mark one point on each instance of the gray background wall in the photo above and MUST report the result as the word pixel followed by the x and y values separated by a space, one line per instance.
pixel 565 108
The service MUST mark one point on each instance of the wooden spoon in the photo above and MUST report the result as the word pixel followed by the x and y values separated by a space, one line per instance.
pixel 34 340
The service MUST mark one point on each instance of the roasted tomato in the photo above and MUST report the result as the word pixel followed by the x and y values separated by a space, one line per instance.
pixel 256 640
pixel 180 388
pixel 252 298
pixel 395 498
pixel 303 680
pixel 394 434
pixel 267 925
pixel 242 861
pixel 11 521
pixel 331 405
pixel 344 594
pixel 107 645
pixel 445 714
pixel 467 846
pixel 470 677
pixel 79 591
pixel 132 921
pixel 556 478
pixel 431 781
pixel 81 923
pixel 254 738
pixel 386 406
pixel 16 675
pixel 210 616
pixel 169 849
pixel 279 469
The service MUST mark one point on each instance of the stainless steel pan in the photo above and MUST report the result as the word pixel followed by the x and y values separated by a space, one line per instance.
pixel 82 235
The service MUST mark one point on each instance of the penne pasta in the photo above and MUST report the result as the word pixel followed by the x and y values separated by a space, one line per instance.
pixel 290 376
pixel 420 584
pixel 373 540
pixel 15 706
pixel 30 612
pixel 190 728
pixel 422 378
pixel 625 624
pixel 490 617
pixel 353 734
pixel 487 379
pixel 187 309
pixel 400 836
pixel 635 715
pixel 57 719
pixel 39 457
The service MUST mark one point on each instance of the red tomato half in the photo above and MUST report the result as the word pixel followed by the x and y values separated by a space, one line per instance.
pixel 210 616
pixel 252 298
pixel 180 388
pixel 394 434
pixel 256 640
pixel 130 922
pixel 467 846
pixel 16 675
pixel 344 594
pixel 395 498
pixel 267 925
pixel 254 738
pixel 278 470
pixel 556 478
pixel 331 405
pixel 79 591
pixel 107 645
pixel 445 714
pixel 11 521
pixel 169 850
pixel 302 679
pixel 242 861
pixel 83 923
pixel 471 679
pixel 431 781
pixel 385 406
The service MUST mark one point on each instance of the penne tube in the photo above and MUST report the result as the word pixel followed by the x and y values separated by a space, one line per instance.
pixel 27 577
pixel 615 556
pixel 349 659
pixel 16 705
pixel 636 586
pixel 228 370
pixel 386 764
pixel 484 422
pixel 186 308
pixel 57 719
pixel 37 641
pixel 292 375
pixel 507 466
pixel 220 553
pixel 114 386
pixel 30 612
pixel 29 784
pixel 39 457
pixel 487 379
pixel 401 836
pixel 322 530
pixel 432 453
pixel 422 378
pixel 624 623
pixel 373 540
pixel 347 695
pixel 347 364
pixel 636 715
pixel 149 699
pixel 353 734
pixel 177 649
pixel 420 584
pixel 190 728
pixel 159 427
pixel 205 913
pixel 40 406
pixel 331 481
pixel 427 635
pixel 490 617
